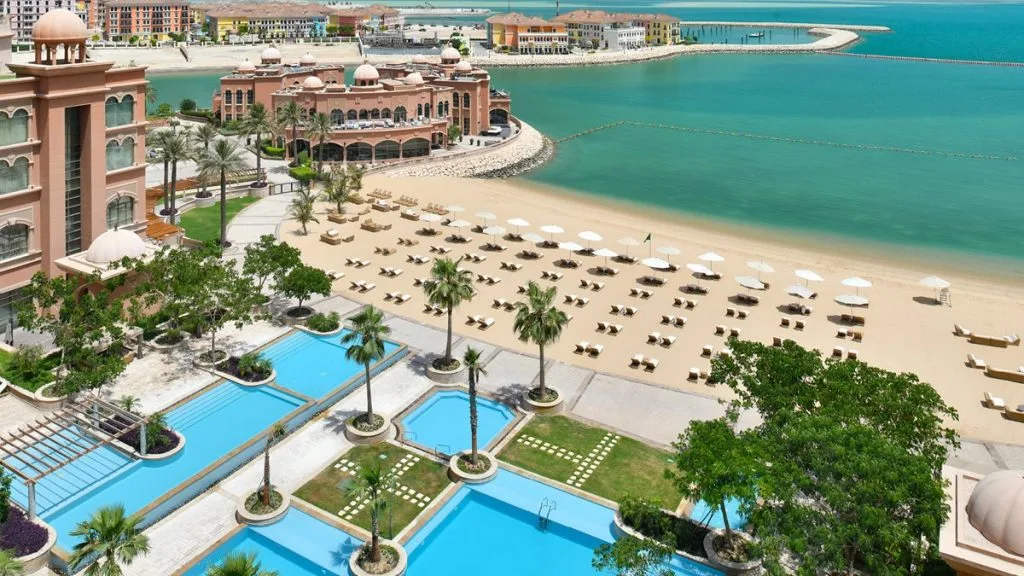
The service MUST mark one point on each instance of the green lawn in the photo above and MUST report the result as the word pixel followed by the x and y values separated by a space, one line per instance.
pixel 329 490
pixel 628 467
pixel 204 223
pixel 32 381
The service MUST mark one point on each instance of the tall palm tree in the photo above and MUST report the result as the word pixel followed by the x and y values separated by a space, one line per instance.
pixel 275 434
pixel 223 158
pixel 257 123
pixel 302 208
pixel 174 150
pixel 240 564
pixel 373 485
pixel 150 94
pixel 448 287
pixel 472 360
pixel 111 536
pixel 291 115
pixel 320 129
pixel 366 345
pixel 355 176
pixel 538 321
pixel 205 135
pixel 158 138
pixel 338 190
pixel 9 566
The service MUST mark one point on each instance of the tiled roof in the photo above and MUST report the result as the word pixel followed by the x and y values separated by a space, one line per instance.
pixel 268 10
pixel 516 19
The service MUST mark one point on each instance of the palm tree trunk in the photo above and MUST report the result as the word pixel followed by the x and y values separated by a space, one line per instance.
pixel 472 412
pixel 259 146
pixel 174 190
pixel 725 521
pixel 320 158
pixel 266 475
pixel 448 345
pixel 295 143
pixel 542 389
pixel 223 208
pixel 165 186
pixel 369 398
pixel 374 536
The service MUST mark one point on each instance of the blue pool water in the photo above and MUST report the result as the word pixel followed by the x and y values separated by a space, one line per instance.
pixel 298 545
pixel 314 365
pixel 702 513
pixel 443 420
pixel 214 424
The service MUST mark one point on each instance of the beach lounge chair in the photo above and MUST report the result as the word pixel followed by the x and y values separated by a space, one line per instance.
pixel 616 309
pixel 395 272
pixel 581 302
pixel 1015 414
pixel 650 364
pixel 367 287
pixel 471 319
pixel 555 276
pixel 499 303
pixel 614 329
pixel 634 292
pixel 636 360
pixel 602 326
pixel 595 350
pixel 961 331
pixel 776 341
pixel 584 283
pixel 707 350
pixel 837 352
pixel 857 335
pixel 630 310
pixel 1011 375
pixel 975 362
pixel 486 323
pixel 852 354
pixel 994 402
pixel 581 346
pixel 668 341
pixel 335 275
pixel 597 286
pixel 520 289
pixel 730 311
pixel 665 319
pixel 691 304
pixel 784 323
pixel 653 337
pixel 331 237
pixel 734 332
pixel 679 321
pixel 645 294
pixel 355 284
pixel 799 325
pixel 679 302
pixel 694 374
pixel 569 298
pixel 428 308
pixel 842 333
pixel 392 295
pixel 509 306
pixel 349 238
pixel 741 314
pixel 720 329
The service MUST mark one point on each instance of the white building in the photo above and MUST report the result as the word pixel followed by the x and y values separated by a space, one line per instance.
pixel 619 38
pixel 25 13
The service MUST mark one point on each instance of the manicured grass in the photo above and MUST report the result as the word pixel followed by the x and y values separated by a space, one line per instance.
pixel 30 382
pixel 329 490
pixel 630 467
pixel 203 224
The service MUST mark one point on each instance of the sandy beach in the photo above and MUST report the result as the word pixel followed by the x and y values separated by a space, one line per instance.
pixel 904 330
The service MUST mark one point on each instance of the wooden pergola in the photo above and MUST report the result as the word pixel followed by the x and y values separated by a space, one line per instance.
pixel 64 436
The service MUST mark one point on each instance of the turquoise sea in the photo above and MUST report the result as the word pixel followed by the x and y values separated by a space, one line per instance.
pixel 922 199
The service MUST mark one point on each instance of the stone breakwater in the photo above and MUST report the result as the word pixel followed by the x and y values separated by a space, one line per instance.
pixel 830 39
pixel 525 151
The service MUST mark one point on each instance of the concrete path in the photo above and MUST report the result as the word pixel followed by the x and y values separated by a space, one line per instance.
pixel 257 219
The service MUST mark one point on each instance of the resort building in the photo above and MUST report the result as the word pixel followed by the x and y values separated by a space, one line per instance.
pixel 660 29
pixel 268 20
pixel 527 34
pixel 25 14
pixel 6 41
pixel 375 19
pixel 146 19
pixel 983 535
pixel 72 149
pixel 619 31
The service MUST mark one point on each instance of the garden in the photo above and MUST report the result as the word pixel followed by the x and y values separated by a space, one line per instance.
pixel 203 224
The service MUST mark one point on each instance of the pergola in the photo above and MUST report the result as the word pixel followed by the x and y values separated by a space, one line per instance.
pixel 64 436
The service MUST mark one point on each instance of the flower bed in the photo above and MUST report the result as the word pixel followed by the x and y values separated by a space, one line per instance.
pixel 239 368
pixel 362 423
pixel 653 522
pixel 388 560
pixel 324 323
pixel 166 440
pixel 170 338
pixel 254 503
pixel 465 463
pixel 22 535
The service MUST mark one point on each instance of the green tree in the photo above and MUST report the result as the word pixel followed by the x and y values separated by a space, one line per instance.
pixel 365 346
pixel 206 134
pixel 128 403
pixel 337 188
pixel 224 158
pixel 150 94
pixel 448 287
pixel 632 556
pixel 275 434
pixel 156 423
pixel 110 536
pixel 454 134
pixel 187 105
pixel 475 370
pixel 164 110
pixel 267 258
pixel 373 486
pixel 355 177
pixel 225 297
pixel 303 208
pixel 291 115
pixel 302 282
pixel 257 123
pixel 5 496
pixel 540 322
pixel 9 566
pixel 319 128
pixel 174 149
pixel 239 564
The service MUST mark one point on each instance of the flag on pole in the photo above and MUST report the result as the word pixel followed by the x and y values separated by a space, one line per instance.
pixel 648 239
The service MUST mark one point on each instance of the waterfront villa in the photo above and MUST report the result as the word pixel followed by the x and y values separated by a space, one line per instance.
pixel 527 34
pixel 619 31
pixel 72 137
pixel 146 19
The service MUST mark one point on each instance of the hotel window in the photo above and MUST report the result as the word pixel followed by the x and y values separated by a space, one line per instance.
pixel 419 110
pixel 120 212
pixel 13 241
pixel 227 96
pixel 465 100
pixel 386 113
pixel 13 177
pixel 400 114
pixel 119 113
pixel 120 155
pixel 455 99
pixel 238 97
pixel 13 127
pixel 250 96
pixel 337 117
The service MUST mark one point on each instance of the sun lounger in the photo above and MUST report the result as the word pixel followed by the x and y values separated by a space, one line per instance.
pixel 776 341
pixel 842 333
pixel 668 341
pixel 584 283
pixel 428 308
pixel 616 309
pixel 720 329
pixel 653 337
pixel 367 287
pixel 635 361
pixel 707 350
pixel 569 298
pixel 486 323
pixel 650 364
pixel 837 352
pixel 734 332
pixel 994 402
pixel 799 325
pixel 335 275
pixel 595 350
pixel 602 326
pixel 1014 414
pixel 730 311
pixel 356 284
pixel 614 329
pixel 634 292
pixel 975 362
pixel 392 295
pixel 852 354
pixel 582 346
pixel 331 237
pixel 499 303
pixel 581 302
pixel 1011 375
pixel 645 294
pixel 473 319
pixel 509 306
pixel 630 310
pixel 784 323
pixel 679 321
pixel 679 302
pixel 961 331
pixel 665 319
pixel 694 374
pixel 741 314
pixel 995 341
pixel 856 335
pixel 597 286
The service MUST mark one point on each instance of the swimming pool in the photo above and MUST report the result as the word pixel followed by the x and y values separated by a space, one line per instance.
pixel 442 421
pixel 297 545
pixel 703 514
pixel 315 365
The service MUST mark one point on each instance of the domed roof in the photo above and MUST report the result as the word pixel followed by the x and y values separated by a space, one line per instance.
pixel 450 53
pixel 114 245
pixel 996 507
pixel 366 73
pixel 307 60
pixel 419 59
pixel 413 79
pixel 463 66
pixel 271 53
pixel 246 66
pixel 59 25
pixel 312 83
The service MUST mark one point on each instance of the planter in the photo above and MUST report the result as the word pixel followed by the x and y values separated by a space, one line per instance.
pixel 259 192
pixel 252 519
pixel 550 407
pixel 205 202
pixel 729 567
pixel 364 438
pixel 167 347
pixel 290 320
pixel 456 473
pixel 168 454
pixel 244 382
pixel 40 558
pixel 334 332
pixel 40 394
pixel 200 363
pixel 451 377
pixel 398 570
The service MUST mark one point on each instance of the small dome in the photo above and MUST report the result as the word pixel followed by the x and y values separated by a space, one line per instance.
pixel 413 79
pixel 307 60
pixel 114 245
pixel 366 73
pixel 463 66
pixel 271 54
pixel 996 507
pixel 312 83
pixel 246 66
pixel 59 25
pixel 450 53
pixel 419 59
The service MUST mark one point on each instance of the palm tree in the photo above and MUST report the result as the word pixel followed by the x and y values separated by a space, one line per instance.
pixel 275 434
pixel 366 345
pixel 373 486
pixel 158 140
pixel 225 157
pixel 538 321
pixel 302 208
pixel 150 94
pixel 290 116
pixel 448 287
pixel 338 190
pixel 319 128
pixel 257 123
pixel 9 566
pixel 205 135
pixel 355 177
pixel 472 360
pixel 113 537
pixel 239 564
pixel 128 403
pixel 174 150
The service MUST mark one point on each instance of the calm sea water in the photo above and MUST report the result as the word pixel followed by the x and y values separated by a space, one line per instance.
pixel 905 199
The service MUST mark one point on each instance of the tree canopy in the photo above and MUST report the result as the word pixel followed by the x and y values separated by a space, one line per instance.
pixel 268 259
pixel 303 281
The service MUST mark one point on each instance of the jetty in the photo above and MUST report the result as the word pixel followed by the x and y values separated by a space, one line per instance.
pixel 933 60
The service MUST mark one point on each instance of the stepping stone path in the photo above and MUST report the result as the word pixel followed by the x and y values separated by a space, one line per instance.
pixel 400 490
pixel 585 465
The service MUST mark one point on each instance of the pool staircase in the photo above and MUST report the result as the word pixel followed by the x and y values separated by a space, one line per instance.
pixel 442 454
pixel 544 513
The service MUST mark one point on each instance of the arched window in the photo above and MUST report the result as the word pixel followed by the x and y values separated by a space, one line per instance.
pixel 337 117
pixel 400 114
pixel 455 99
pixel 364 115
pixel 227 96
pixel 13 128
pixel 120 155
pixel 386 113
pixel 13 241
pixel 428 108
pixel 120 212
pixel 419 110
pixel 375 114
pixel 13 177
pixel 238 97
pixel 250 96
pixel 351 114
pixel 312 112
pixel 465 100
pixel 447 109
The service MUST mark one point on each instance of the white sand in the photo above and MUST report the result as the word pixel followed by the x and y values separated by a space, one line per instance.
pixel 901 333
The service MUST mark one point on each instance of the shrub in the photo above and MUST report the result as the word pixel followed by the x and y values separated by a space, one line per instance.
pixel 647 518
pixel 324 322
pixel 275 151
pixel 303 174
pixel 187 105
pixel 304 159
pixel 22 535
pixel 29 368
pixel 5 496
pixel 253 366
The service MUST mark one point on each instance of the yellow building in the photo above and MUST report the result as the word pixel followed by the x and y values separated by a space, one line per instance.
pixel 278 20
pixel 661 29
pixel 527 34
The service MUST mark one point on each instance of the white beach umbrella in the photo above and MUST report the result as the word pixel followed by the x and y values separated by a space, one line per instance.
pixel 800 291
pixel 656 263
pixel 669 251
pixel 531 237
pixel 808 276
pixel 485 216
pixel 857 283
pixel 590 236
pixel 518 223
pixel 605 253
pixel 570 246
pixel 935 283
pixel 494 231
pixel 852 300
pixel 455 208
pixel 430 218
pixel 551 229
pixel 459 224
pixel 711 258
pixel 629 242
pixel 761 267
pixel 750 283
pixel 700 269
